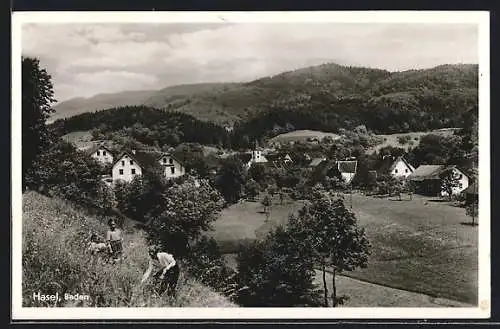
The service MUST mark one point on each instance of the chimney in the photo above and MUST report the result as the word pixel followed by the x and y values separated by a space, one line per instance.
pixel 133 151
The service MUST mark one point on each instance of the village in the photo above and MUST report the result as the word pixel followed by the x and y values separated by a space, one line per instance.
pixel 427 178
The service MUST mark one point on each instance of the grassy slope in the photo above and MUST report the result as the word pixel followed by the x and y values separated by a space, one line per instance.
pixel 392 139
pixel 419 247
pixel 302 135
pixel 416 247
pixel 54 259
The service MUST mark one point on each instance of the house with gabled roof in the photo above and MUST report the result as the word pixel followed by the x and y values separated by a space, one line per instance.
pixel 126 167
pixel 172 167
pixel 129 165
pixel 347 169
pixel 101 154
pixel 428 179
pixel 396 167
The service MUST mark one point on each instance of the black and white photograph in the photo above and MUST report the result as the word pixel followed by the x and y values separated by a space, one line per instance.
pixel 231 165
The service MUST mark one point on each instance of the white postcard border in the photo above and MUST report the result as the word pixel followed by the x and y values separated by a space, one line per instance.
pixel 481 18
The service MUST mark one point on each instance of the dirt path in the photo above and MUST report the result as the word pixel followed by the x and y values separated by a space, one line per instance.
pixel 365 294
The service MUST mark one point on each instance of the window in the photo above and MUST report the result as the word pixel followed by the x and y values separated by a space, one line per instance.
pixel 121 171
pixel 123 163
pixel 172 170
pixel 171 161
pixel 406 171
pixel 133 171
pixel 98 153
pixel 460 176
pixel 103 152
pixel 395 171
pixel 131 162
pixel 164 160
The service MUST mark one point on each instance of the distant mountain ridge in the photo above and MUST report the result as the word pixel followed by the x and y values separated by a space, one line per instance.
pixel 231 102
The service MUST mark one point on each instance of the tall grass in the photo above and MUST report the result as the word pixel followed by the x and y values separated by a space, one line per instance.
pixel 55 238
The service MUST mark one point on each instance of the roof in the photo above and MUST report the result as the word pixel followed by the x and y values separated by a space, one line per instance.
pixel 316 161
pixel 280 156
pixel 145 159
pixel 387 165
pixel 160 155
pixel 94 147
pixel 347 166
pixel 427 172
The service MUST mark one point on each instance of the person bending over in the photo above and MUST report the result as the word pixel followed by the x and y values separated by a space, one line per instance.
pixel 167 273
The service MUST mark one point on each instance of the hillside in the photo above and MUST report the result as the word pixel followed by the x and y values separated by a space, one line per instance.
pixel 81 105
pixel 55 236
pixel 447 89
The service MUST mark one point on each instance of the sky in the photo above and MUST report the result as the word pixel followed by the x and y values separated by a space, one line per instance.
pixel 86 59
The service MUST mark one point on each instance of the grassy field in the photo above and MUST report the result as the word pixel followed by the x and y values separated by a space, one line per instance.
pixel 55 238
pixel 419 245
pixel 380 296
pixel 79 138
pixel 246 221
pixel 302 135
pixel 392 139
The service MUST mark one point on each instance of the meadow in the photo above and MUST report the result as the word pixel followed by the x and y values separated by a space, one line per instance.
pixel 419 246
pixel 55 237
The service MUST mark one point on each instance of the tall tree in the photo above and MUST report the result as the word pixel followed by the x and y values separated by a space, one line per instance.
pixel 449 182
pixel 330 231
pixel 231 179
pixel 37 97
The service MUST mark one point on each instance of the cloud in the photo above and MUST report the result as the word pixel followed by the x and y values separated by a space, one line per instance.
pixel 87 59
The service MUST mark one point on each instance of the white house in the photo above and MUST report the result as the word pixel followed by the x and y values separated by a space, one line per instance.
pixel 398 167
pixel 131 165
pixel 256 157
pixel 125 168
pixel 171 166
pixel 462 181
pixel 102 154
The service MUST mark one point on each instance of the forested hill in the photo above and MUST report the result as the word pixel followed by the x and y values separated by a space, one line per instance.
pixel 144 124
pixel 331 90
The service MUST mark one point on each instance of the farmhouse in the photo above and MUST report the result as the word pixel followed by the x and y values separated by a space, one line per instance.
pixel 428 179
pixel 171 166
pixel 280 160
pixel 347 169
pixel 396 167
pixel 102 154
pixel 125 168
pixel 256 156
pixel 131 165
